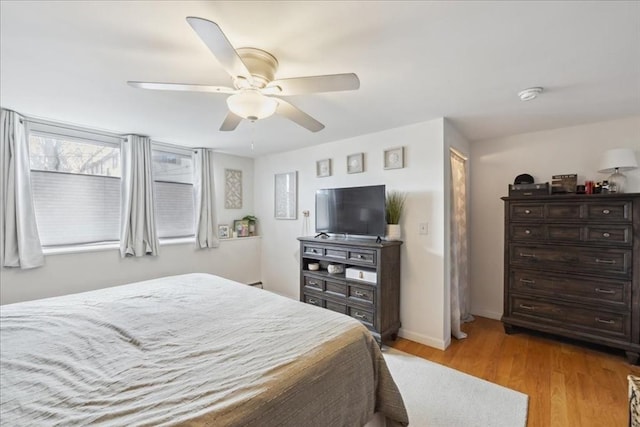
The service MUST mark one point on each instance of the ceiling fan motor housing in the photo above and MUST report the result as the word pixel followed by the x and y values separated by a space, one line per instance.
pixel 261 64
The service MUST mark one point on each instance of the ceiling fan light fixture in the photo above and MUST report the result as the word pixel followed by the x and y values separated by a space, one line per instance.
pixel 252 105
pixel 530 93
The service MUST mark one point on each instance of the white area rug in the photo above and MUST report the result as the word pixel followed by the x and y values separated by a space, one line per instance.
pixel 439 396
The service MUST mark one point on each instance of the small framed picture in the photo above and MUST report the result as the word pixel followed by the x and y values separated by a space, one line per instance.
pixel 323 168
pixel 394 158
pixel 224 231
pixel 355 163
pixel 241 227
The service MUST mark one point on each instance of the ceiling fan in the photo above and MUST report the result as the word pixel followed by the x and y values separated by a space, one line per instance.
pixel 255 94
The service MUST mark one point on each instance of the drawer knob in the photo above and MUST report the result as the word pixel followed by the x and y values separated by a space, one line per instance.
pixel 527 231
pixel 606 211
pixel 527 307
pixel 605 291
pixel 605 321
pixel 606 235
pixel 360 294
pixel 605 261
pixel 313 301
pixel 527 211
pixel 359 315
pixel 528 281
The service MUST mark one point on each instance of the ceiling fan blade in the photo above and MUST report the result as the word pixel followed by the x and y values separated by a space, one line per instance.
pixel 182 87
pixel 298 116
pixel 219 45
pixel 314 84
pixel 231 122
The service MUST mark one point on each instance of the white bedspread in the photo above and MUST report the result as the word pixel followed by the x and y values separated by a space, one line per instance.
pixel 191 350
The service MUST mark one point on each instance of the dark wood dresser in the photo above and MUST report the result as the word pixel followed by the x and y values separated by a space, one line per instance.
pixel 572 267
pixel 373 299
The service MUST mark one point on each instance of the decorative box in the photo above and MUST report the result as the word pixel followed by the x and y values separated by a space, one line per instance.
pixel 364 274
pixel 524 190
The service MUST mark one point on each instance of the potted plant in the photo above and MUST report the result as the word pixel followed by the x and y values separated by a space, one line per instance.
pixel 394 207
pixel 252 224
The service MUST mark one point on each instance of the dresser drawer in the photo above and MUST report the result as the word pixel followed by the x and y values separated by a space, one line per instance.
pixel 335 253
pixel 314 283
pixel 363 257
pixel 609 211
pixel 610 234
pixel 563 211
pixel 526 232
pixel 361 294
pixel 337 307
pixel 314 300
pixel 573 259
pixel 586 319
pixel 522 211
pixel 563 233
pixel 335 288
pixel 365 316
pixel 313 250
pixel 612 293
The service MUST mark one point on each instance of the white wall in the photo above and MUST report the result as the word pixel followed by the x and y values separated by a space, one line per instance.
pixel 422 256
pixel 497 162
pixel 236 259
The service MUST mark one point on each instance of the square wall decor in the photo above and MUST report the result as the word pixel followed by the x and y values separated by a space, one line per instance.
pixel 394 158
pixel 323 168
pixel 355 163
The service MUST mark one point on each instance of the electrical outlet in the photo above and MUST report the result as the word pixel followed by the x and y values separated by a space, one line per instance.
pixel 424 228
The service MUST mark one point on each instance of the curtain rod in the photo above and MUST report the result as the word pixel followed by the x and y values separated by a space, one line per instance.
pixel 73 127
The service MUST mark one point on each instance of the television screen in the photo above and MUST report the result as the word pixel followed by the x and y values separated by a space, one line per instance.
pixel 352 210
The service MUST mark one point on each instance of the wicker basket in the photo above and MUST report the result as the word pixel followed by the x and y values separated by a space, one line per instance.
pixel 634 401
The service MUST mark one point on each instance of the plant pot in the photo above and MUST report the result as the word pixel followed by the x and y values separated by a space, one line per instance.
pixel 393 232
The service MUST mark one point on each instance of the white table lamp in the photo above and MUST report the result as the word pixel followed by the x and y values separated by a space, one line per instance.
pixel 617 160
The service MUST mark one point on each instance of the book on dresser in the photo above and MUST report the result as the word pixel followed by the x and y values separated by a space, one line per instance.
pixel 572 267
pixel 365 287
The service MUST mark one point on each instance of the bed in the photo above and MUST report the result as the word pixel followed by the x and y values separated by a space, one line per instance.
pixel 192 350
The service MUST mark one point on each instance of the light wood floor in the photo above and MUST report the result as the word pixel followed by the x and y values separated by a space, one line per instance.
pixel 568 384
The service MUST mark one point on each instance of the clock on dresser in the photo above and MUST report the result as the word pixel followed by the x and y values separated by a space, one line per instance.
pixel 572 267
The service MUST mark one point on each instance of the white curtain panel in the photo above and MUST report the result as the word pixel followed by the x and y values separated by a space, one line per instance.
pixel 459 255
pixel 19 242
pixel 138 226
pixel 206 221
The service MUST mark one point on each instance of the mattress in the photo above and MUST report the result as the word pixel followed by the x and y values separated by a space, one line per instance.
pixel 193 350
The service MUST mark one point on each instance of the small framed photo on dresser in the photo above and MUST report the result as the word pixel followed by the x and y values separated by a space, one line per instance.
pixel 224 231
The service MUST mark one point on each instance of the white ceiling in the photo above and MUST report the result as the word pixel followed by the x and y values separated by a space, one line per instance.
pixel 69 61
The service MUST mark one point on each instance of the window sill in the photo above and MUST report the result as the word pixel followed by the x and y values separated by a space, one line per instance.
pixel 81 248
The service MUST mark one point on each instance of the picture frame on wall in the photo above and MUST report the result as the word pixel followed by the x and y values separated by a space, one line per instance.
pixel 323 168
pixel 232 189
pixel 355 163
pixel 394 158
pixel 224 231
pixel 286 195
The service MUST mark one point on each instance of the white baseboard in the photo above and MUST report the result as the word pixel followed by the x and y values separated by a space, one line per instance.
pixel 424 339
pixel 487 313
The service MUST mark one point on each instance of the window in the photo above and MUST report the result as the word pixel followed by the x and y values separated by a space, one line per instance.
pixel 75 179
pixel 173 188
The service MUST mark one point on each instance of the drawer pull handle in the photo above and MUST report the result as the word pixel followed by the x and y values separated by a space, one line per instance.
pixel 527 211
pixel 528 281
pixel 605 321
pixel 523 255
pixel 606 235
pixel 527 231
pixel 360 294
pixel 359 315
pixel 527 307
pixel 312 283
pixel 606 211
pixel 605 261
pixel 313 301
pixel 605 291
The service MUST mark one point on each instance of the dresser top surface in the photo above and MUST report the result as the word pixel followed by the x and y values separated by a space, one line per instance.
pixel 371 243
pixel 573 197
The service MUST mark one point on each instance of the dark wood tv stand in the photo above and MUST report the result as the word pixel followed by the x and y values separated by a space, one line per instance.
pixel 375 302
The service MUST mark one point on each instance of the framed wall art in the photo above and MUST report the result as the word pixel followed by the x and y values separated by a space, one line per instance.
pixel 323 168
pixel 394 158
pixel 285 189
pixel 355 163
pixel 232 189
pixel 241 227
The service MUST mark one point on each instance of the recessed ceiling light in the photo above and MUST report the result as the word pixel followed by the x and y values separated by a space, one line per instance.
pixel 529 94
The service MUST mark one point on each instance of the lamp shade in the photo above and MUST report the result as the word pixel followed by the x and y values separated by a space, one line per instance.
pixel 252 105
pixel 618 158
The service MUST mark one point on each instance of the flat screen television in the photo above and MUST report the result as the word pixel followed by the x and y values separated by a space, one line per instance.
pixel 352 210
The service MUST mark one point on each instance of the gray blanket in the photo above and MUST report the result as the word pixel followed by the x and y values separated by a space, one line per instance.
pixel 195 350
